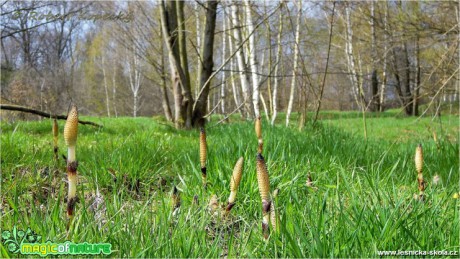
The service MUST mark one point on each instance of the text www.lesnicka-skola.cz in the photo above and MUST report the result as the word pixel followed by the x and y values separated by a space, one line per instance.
pixel 418 253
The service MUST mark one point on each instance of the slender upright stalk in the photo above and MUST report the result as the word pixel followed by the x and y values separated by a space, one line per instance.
pixel 258 128
pixel 264 190
pixel 419 167
pixel 274 220
pixel 70 136
pixel 296 64
pixel 55 139
pixel 234 183
pixel 203 151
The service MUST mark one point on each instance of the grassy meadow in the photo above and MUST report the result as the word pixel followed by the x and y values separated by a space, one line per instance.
pixel 363 202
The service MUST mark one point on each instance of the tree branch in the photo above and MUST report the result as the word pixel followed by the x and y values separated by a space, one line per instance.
pixel 41 113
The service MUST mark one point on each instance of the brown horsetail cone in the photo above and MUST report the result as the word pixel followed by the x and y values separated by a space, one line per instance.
pixel 419 159
pixel 258 127
pixel 235 182
pixel 264 190
pixel 55 138
pixel 262 178
pixel 71 127
pixel 203 152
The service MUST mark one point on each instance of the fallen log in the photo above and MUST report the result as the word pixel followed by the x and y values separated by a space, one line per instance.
pixel 11 107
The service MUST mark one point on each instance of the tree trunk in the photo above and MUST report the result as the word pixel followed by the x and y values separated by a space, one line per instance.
pixel 353 76
pixel 236 94
pixel 224 72
pixel 277 64
pixel 198 46
pixel 323 84
pixel 104 75
pixel 385 50
pixel 164 90
pixel 207 63
pixel 417 79
pixel 296 64
pixel 134 81
pixel 114 91
pixel 375 82
pixel 269 65
pixel 241 61
pixel 252 59
pixel 183 100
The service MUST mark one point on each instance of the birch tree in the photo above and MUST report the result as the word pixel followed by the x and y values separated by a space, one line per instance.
pixel 385 51
pixel 374 79
pixel 296 63
pixel 134 75
pixel 236 93
pixel 245 86
pixel 224 74
pixel 354 75
pixel 106 88
pixel 252 59
pixel 277 63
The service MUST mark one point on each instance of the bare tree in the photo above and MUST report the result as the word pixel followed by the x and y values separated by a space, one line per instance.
pixel 385 52
pixel 252 59
pixel 245 86
pixel 224 73
pixel 236 94
pixel 277 65
pixel 374 80
pixel 296 64
pixel 135 79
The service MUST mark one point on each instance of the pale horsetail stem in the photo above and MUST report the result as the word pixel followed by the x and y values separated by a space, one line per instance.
pixel 203 151
pixel 274 219
pixel 264 190
pixel 234 183
pixel 55 139
pixel 258 129
pixel 70 137
pixel 419 167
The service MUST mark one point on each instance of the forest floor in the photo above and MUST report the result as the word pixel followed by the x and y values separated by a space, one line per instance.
pixel 362 201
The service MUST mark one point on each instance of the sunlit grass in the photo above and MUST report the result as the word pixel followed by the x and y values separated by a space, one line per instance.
pixel 364 200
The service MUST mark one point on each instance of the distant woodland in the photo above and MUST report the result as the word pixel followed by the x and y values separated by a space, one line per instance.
pixel 187 60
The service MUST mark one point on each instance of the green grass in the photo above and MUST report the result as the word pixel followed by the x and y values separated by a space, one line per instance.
pixel 364 201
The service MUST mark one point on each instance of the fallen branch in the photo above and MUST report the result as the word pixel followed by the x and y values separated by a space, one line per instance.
pixel 19 108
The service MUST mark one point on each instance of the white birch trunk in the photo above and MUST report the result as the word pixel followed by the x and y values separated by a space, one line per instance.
pixel 252 59
pixel 385 50
pixel 278 60
pixel 236 93
pixel 350 57
pixel 245 86
pixel 296 61
pixel 135 82
pixel 198 46
pixel 224 74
